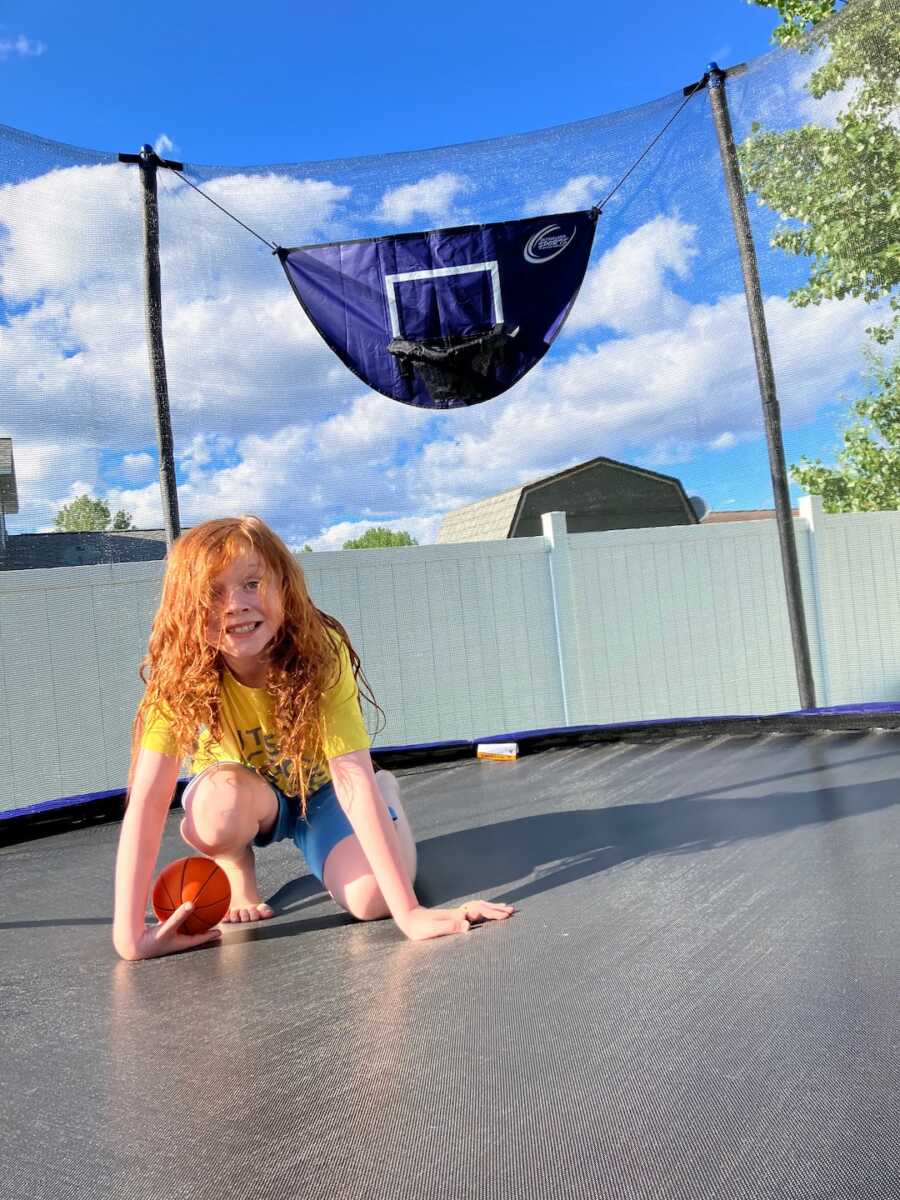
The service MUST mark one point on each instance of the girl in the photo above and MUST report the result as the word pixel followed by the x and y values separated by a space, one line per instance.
pixel 247 673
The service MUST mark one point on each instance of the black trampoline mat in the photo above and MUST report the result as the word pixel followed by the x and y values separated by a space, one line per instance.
pixel 698 998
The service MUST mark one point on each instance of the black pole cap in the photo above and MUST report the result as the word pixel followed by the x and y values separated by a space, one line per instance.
pixel 149 156
pixel 714 77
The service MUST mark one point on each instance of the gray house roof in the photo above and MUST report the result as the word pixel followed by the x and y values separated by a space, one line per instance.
pixel 36 551
pixel 743 514
pixel 482 521
pixel 9 497
pixel 495 516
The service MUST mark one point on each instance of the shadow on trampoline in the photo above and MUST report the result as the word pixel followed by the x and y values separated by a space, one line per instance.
pixel 263 931
pixel 297 895
pixel 551 849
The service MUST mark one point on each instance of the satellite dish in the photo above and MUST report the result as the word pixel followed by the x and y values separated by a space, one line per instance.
pixel 699 505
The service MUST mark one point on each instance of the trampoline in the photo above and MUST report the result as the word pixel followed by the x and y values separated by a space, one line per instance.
pixel 697 997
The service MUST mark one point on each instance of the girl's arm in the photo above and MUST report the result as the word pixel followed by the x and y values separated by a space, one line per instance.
pixel 359 797
pixel 152 789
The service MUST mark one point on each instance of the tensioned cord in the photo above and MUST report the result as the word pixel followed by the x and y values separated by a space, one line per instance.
pixel 264 241
pixel 696 88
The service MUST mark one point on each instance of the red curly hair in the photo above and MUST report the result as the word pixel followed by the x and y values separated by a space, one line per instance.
pixel 182 671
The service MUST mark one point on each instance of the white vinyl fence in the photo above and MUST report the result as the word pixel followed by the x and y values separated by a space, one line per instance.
pixel 480 638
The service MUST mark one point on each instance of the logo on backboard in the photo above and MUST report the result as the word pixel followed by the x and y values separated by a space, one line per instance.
pixel 547 243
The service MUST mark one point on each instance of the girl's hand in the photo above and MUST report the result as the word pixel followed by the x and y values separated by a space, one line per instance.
pixel 165 938
pixel 423 923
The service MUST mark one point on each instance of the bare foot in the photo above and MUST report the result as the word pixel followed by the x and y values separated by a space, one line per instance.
pixel 248 912
pixel 246 902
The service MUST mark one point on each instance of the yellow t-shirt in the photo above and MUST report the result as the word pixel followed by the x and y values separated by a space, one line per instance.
pixel 248 735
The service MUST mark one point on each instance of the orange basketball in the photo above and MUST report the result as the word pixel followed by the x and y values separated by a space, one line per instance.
pixel 196 879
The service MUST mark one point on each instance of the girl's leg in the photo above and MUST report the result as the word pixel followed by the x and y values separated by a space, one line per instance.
pixel 226 809
pixel 347 873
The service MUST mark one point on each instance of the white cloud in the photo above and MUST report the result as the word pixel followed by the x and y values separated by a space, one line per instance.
pixel 137 467
pixel 725 441
pixel 576 194
pixel 434 199
pixel 279 207
pixel 90 223
pixel 627 289
pixel 422 529
pixel 51 466
pixel 143 505
pixel 20 47
pixel 45 471
pixel 294 474
pixel 164 146
pixel 659 397
pixel 267 420
pixel 826 109
pixel 372 429
pixel 233 330
pixel 225 352
pixel 267 479
pixel 201 450
pixel 785 101
pixel 270 474
pixel 89 219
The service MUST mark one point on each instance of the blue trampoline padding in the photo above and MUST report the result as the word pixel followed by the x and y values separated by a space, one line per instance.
pixel 522 735
pixel 46 806
pixel 31 810
pixel 881 706
pixel 376 750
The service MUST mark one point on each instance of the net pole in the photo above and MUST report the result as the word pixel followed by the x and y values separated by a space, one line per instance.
pixel 148 162
pixel 766 377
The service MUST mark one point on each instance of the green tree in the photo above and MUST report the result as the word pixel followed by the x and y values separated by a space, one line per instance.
pixel 797 16
pixel 378 537
pixel 89 513
pixel 867 475
pixel 838 186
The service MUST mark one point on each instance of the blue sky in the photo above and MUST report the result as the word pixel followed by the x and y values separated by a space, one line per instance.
pixel 654 366
pixel 285 82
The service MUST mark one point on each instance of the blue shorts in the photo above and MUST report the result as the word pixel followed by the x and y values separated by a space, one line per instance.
pixel 315 837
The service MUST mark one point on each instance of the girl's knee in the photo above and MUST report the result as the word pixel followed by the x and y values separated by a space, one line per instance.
pixel 222 810
pixel 363 900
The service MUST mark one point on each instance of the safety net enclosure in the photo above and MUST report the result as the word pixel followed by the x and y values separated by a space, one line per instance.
pixel 639 356
pixel 697 997
pixel 540 302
